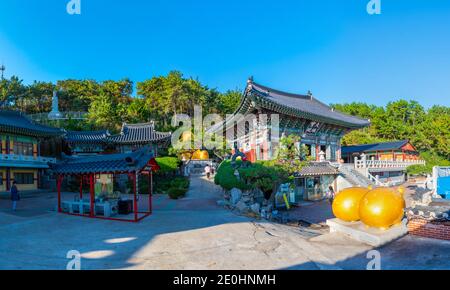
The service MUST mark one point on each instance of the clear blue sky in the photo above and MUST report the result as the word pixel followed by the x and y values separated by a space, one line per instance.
pixel 333 48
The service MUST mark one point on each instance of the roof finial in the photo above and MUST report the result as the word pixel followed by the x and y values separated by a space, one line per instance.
pixel 250 80
pixel 310 94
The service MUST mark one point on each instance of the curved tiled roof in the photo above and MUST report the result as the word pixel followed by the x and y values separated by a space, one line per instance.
pixel 112 163
pixel 138 133
pixel 317 169
pixel 15 122
pixel 386 146
pixel 87 136
pixel 300 105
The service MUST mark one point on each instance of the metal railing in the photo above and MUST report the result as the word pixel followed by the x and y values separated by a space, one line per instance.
pixel 43 117
pixel 26 158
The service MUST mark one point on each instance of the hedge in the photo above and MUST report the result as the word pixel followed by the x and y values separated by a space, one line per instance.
pixel 262 175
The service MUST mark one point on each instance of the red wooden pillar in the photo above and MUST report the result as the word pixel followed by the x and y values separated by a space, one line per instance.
pixel 81 187
pixel 92 193
pixel 135 205
pixel 59 180
pixel 150 196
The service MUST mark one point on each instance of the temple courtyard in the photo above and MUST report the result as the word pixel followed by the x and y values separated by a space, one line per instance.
pixel 192 233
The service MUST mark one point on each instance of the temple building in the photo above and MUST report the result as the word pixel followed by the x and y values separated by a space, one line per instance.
pixel 388 151
pixel 134 136
pixel 384 163
pixel 87 142
pixel 131 138
pixel 22 159
pixel 319 127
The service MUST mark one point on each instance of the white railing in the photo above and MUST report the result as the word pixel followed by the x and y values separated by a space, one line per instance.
pixel 392 181
pixel 375 180
pixel 25 158
pixel 359 164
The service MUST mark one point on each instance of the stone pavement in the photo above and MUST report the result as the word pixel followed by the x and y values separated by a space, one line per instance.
pixel 192 233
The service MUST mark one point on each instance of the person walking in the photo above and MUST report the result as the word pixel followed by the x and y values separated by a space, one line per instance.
pixel 331 195
pixel 208 171
pixel 15 196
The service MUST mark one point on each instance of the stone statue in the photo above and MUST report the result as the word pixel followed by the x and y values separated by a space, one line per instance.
pixel 55 113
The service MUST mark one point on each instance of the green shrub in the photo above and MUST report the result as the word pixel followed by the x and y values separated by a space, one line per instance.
pixel 168 165
pixel 176 193
pixel 432 160
pixel 180 182
pixel 162 185
pixel 226 179
pixel 262 175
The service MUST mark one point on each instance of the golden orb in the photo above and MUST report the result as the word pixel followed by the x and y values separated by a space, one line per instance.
pixel 382 208
pixel 346 204
pixel 200 155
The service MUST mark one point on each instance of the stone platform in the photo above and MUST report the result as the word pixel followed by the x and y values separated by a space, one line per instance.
pixel 371 236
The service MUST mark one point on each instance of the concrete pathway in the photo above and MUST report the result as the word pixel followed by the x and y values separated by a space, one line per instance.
pixel 192 233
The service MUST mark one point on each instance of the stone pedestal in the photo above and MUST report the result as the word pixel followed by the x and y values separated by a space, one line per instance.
pixel 371 236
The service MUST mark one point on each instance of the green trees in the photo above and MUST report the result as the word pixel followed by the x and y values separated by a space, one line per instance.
pixel 109 103
pixel 428 130
pixel 166 96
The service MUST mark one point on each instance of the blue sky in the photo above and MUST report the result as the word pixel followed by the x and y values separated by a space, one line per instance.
pixel 333 48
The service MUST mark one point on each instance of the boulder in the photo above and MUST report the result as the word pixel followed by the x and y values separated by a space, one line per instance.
pixel 236 195
pixel 256 208
pixel 259 196
pixel 242 207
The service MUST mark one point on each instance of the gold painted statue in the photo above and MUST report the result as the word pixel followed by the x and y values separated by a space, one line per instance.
pixel 382 208
pixel 346 203
pixel 379 208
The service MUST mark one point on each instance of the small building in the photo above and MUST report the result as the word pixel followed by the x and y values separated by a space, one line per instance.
pixel 131 138
pixel 87 142
pixel 314 180
pixel 21 159
pixel 385 163
pixel 387 151
pixel 136 136
pixel 102 199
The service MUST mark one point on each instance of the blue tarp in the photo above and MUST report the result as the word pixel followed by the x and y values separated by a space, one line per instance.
pixel 443 187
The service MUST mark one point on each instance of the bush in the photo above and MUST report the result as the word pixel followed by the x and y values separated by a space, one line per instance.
pixel 180 182
pixel 177 193
pixel 169 165
pixel 261 175
pixel 226 179
pixel 432 160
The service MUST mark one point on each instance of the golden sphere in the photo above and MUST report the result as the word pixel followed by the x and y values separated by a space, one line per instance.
pixel 200 155
pixel 382 208
pixel 346 203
